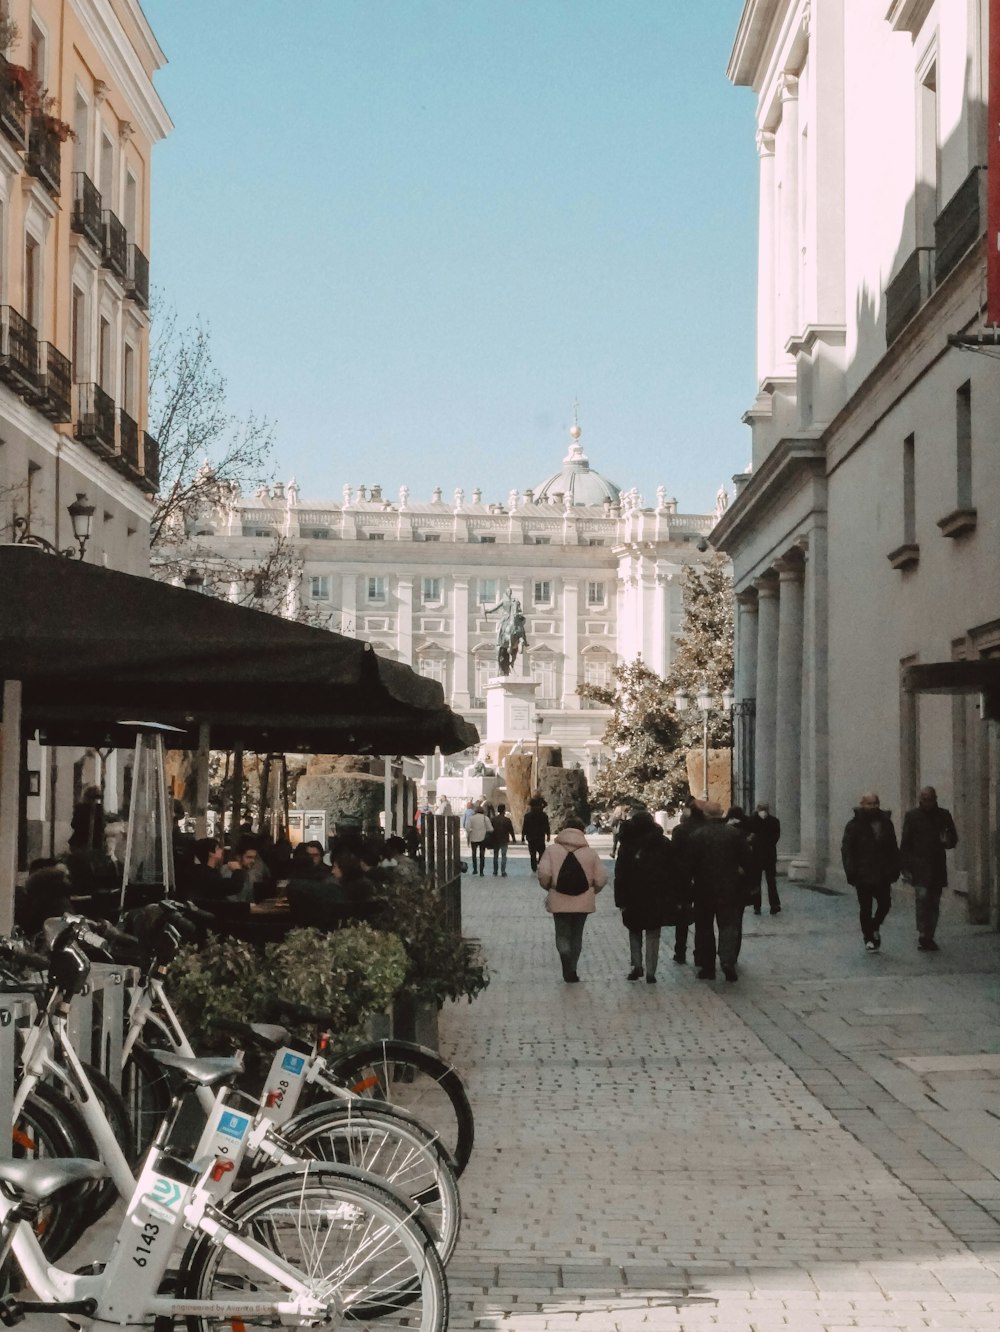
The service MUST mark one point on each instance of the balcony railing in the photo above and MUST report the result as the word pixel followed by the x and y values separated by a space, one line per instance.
pixel 44 159
pixel 137 280
pixel 13 120
pixel 18 351
pixel 95 419
pixel 54 398
pixel 960 222
pixel 907 291
pixel 114 245
pixel 150 463
pixel 128 442
pixel 87 209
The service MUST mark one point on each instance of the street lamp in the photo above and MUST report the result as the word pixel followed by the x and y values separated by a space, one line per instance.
pixel 81 514
pixel 194 580
pixel 537 723
pixel 704 700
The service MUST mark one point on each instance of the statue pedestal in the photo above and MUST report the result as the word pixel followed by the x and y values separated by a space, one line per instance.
pixel 510 709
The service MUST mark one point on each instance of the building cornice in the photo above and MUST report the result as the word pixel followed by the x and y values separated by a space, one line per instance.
pixel 793 461
pixel 757 23
pixel 104 28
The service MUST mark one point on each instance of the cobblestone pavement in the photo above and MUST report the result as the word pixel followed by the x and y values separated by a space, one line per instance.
pixel 814 1147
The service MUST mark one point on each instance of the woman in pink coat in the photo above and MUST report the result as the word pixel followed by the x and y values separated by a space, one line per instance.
pixel 571 890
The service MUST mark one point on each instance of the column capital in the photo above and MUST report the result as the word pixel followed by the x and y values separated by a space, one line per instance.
pixel 765 143
pixel 766 585
pixel 747 600
pixel 788 87
pixel 789 570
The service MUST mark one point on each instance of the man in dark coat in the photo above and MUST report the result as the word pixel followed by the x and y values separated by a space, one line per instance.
pixel 645 889
pixel 765 830
pixel 871 863
pixel 721 867
pixel 535 829
pixel 928 834
pixel 691 818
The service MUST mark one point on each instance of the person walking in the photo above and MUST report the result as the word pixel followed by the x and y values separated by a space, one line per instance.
pixel 645 889
pixel 535 829
pixel 503 834
pixel 691 818
pixel 720 868
pixel 572 874
pixel 928 834
pixel 765 831
pixel 477 830
pixel 871 864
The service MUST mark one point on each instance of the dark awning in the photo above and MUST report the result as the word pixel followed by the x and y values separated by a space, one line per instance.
pixel 92 646
pixel 981 676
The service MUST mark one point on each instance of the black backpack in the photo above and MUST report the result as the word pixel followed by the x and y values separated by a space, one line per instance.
pixel 572 878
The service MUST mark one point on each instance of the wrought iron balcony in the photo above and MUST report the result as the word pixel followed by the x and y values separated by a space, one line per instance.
pixel 137 280
pixel 128 443
pixel 150 464
pixel 44 159
pixel 960 222
pixel 95 419
pixel 18 351
pixel 907 291
pixel 13 120
pixel 54 397
pixel 114 245
pixel 87 209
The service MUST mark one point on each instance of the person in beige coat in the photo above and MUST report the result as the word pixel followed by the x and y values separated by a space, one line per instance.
pixel 570 910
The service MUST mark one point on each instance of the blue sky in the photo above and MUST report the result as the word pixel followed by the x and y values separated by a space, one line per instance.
pixel 421 230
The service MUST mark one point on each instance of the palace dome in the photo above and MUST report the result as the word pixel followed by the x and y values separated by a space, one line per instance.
pixel 577 479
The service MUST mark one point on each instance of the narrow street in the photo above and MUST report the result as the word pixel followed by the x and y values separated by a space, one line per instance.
pixel 816 1146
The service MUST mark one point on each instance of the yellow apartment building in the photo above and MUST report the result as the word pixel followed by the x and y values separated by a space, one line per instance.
pixel 78 120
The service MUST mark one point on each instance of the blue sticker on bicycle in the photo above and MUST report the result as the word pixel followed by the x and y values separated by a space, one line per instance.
pixel 293 1063
pixel 233 1126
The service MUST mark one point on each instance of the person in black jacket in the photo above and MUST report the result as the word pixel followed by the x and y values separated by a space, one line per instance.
pixel 765 830
pixel 871 863
pixel 535 829
pixel 690 819
pixel 645 889
pixel 720 867
pixel 928 833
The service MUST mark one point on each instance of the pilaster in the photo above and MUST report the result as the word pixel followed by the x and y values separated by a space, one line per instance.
pixel 404 617
pixel 787 786
pixel 460 691
pixel 571 644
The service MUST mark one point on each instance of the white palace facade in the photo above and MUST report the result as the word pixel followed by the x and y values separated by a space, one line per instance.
pixel 598 573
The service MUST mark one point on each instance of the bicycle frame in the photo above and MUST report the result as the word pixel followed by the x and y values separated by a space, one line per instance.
pixel 168 1200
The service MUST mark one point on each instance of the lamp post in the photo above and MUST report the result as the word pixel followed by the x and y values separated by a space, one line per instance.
pixel 537 723
pixel 81 515
pixel 704 700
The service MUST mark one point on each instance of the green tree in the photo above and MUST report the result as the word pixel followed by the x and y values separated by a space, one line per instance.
pixel 647 737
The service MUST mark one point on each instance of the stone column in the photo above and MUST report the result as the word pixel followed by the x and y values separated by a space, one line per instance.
pixel 460 687
pixel 404 618
pixel 788 749
pixel 767 687
pixel 571 643
pixel 349 604
pixel 765 259
pixel 745 685
pixel 787 256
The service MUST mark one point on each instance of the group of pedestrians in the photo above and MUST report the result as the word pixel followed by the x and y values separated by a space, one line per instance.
pixel 488 829
pixel 714 866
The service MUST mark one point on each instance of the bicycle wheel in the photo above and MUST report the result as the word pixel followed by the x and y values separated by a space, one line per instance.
pixel 390 1147
pixel 419 1081
pixel 49 1127
pixel 354 1242
pixel 146 1093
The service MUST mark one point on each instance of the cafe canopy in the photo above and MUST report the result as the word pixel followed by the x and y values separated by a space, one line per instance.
pixel 91 646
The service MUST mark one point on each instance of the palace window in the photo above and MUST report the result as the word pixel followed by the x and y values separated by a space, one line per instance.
pixel 430 591
pixel 376 588
pixel 319 587
pixel 486 592
pixel 597 594
pixel 433 667
pixel 542 594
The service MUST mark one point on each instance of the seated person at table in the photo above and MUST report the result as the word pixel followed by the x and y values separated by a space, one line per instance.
pixel 334 900
pixel 251 875
pixel 45 893
pixel 307 862
pixel 202 878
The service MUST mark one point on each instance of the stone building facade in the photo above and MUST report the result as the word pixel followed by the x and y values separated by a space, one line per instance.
pixel 598 574
pixel 863 543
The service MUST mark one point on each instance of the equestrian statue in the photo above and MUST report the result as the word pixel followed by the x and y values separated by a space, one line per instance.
pixel 510 630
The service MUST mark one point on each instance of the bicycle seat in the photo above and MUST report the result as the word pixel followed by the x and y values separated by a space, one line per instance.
pixel 264 1034
pixel 205 1072
pixel 37 1180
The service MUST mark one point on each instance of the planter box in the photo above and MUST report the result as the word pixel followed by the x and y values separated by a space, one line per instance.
pixel 415 1020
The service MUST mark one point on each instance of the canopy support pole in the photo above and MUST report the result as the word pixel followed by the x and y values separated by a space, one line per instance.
pixel 387 793
pixel 10 799
pixel 201 781
pixel 237 815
